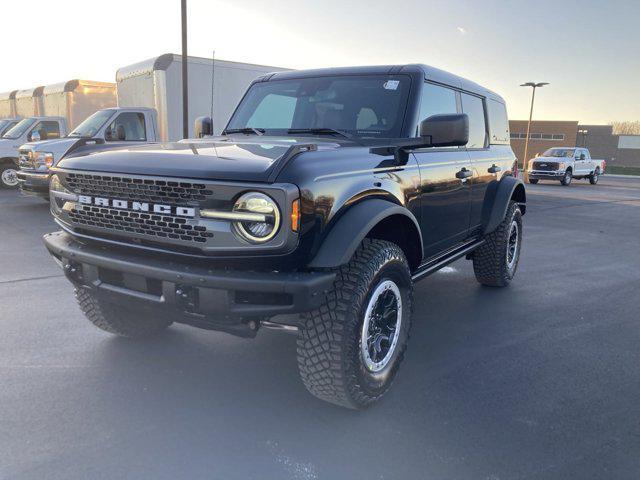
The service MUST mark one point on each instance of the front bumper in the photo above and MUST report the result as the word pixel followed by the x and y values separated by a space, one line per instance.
pixel 546 175
pixel 34 183
pixel 122 276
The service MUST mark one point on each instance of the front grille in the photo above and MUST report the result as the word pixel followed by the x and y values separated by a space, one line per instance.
pixel 545 166
pixel 145 190
pixel 24 161
pixel 157 226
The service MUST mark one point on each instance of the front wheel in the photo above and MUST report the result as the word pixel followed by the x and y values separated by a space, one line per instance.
pixel 566 180
pixel 8 176
pixel 350 348
pixel 495 262
pixel 594 177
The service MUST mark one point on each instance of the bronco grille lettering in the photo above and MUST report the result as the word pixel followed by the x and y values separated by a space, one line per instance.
pixel 189 212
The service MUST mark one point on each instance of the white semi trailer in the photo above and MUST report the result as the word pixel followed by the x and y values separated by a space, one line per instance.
pixel 8 104
pixel 28 103
pixel 157 83
pixel 76 100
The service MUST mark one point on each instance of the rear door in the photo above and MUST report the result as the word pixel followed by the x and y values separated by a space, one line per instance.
pixel 444 198
pixel 487 162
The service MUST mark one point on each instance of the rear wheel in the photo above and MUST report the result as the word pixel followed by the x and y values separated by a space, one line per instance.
pixel 566 180
pixel 350 348
pixel 594 177
pixel 496 261
pixel 8 176
pixel 533 181
pixel 120 320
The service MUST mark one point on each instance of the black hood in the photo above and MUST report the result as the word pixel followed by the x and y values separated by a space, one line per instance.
pixel 214 159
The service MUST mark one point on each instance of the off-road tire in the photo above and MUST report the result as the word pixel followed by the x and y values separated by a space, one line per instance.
pixel 329 358
pixel 119 320
pixel 593 179
pixel 533 181
pixel 3 184
pixel 490 260
pixel 566 179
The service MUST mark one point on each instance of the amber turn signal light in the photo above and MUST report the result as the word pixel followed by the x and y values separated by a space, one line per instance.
pixel 295 215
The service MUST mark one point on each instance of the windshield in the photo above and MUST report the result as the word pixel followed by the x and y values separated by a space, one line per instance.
pixel 5 124
pixel 21 127
pixel 559 152
pixel 92 124
pixel 364 106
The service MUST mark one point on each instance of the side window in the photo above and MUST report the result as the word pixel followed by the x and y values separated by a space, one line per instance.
pixel 498 123
pixel 474 108
pixel 436 100
pixel 48 130
pixel 274 111
pixel 127 127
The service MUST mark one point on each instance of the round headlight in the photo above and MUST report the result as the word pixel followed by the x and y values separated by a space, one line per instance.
pixel 263 219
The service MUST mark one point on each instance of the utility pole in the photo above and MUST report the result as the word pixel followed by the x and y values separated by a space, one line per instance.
pixel 185 79
pixel 525 161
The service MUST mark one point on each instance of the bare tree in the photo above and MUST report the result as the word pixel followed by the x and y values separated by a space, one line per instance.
pixel 626 128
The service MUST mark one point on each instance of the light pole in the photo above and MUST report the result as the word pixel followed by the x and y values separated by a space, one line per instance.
pixel 525 162
pixel 185 80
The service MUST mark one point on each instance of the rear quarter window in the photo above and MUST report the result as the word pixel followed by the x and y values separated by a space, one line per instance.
pixel 498 123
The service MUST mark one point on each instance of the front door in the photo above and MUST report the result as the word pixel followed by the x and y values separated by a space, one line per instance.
pixel 444 198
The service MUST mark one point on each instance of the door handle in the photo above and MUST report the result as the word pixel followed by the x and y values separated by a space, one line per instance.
pixel 464 174
pixel 494 169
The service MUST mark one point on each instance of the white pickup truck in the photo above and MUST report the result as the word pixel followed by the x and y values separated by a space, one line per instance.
pixel 106 129
pixel 565 164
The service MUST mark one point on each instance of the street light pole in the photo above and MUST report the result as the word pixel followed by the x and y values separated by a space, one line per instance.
pixel 525 162
pixel 185 80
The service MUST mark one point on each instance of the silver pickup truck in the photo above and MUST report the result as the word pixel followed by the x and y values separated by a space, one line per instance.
pixel 565 164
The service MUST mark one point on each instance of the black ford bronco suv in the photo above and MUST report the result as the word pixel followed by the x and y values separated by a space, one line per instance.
pixel 329 194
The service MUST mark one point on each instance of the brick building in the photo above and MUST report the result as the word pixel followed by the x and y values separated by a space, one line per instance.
pixel 544 135
pixel 617 150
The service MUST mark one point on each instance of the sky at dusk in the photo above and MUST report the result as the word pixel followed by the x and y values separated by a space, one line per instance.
pixel 589 51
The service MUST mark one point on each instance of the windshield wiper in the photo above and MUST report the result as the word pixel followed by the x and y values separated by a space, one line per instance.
pixel 321 131
pixel 248 131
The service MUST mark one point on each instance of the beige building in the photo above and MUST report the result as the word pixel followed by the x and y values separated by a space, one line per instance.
pixel 544 135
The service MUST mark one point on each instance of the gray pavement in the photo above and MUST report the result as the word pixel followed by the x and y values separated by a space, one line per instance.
pixel 539 380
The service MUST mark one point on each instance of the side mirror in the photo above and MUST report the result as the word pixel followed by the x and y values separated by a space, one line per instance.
pixel 203 127
pixel 34 136
pixel 582 156
pixel 446 130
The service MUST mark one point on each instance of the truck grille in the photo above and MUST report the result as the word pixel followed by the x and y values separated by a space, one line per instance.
pixel 158 226
pixel 146 190
pixel 24 161
pixel 137 226
pixel 545 166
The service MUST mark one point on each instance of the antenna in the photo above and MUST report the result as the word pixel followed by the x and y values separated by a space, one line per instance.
pixel 213 81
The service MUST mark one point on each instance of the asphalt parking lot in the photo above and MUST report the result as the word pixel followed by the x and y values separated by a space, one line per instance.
pixel 539 380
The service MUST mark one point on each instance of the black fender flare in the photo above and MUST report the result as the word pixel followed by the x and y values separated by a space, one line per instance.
pixel 352 227
pixel 497 198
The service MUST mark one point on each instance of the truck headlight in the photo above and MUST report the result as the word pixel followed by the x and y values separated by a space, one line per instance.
pixel 262 217
pixel 43 159
pixel 59 196
pixel 562 166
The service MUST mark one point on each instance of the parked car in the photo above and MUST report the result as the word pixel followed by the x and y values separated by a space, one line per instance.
pixel 105 129
pixel 565 164
pixel 26 130
pixel 329 194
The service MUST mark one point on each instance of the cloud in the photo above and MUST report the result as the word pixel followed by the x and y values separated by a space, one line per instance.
pixel 462 30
